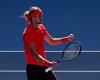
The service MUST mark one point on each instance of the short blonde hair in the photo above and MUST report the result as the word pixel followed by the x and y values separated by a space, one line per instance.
pixel 31 10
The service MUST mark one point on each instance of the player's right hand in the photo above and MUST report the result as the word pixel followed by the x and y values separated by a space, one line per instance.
pixel 50 63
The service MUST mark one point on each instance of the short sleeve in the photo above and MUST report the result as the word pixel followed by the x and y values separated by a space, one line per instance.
pixel 44 29
pixel 26 38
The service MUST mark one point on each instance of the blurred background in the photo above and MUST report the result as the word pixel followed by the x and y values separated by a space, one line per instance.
pixel 61 17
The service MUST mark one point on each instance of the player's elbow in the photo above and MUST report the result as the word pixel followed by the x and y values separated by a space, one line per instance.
pixel 50 40
pixel 52 43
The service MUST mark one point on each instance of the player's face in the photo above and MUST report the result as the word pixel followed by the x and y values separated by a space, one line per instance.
pixel 37 19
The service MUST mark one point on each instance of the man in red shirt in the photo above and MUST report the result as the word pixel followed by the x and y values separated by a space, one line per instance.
pixel 33 39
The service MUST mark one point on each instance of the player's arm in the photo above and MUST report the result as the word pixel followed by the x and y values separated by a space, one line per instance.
pixel 56 41
pixel 31 46
pixel 39 57
pixel 34 53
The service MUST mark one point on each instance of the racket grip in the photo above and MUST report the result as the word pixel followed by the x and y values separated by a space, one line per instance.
pixel 48 69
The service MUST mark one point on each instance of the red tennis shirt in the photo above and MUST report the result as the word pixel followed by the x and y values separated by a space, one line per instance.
pixel 36 37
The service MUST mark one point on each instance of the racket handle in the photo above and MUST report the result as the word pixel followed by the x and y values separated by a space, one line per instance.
pixel 48 69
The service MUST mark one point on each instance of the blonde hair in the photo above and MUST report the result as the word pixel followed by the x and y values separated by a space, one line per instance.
pixel 31 10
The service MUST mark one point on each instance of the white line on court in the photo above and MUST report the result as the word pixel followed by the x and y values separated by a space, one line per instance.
pixel 60 71
pixel 46 51
pixel 77 71
pixel 57 71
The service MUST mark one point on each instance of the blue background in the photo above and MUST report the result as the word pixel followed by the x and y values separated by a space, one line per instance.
pixel 61 17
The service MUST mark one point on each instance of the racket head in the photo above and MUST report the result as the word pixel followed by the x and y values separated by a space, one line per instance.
pixel 71 51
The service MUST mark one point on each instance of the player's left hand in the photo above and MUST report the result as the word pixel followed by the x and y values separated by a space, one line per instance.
pixel 71 37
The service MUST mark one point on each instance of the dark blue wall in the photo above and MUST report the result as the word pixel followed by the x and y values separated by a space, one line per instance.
pixel 61 17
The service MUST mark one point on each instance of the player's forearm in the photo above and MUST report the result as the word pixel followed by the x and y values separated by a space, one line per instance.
pixel 37 56
pixel 56 41
pixel 41 59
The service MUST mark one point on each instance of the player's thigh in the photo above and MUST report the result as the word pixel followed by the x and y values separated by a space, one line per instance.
pixel 34 74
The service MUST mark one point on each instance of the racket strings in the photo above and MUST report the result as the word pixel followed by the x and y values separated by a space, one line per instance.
pixel 71 52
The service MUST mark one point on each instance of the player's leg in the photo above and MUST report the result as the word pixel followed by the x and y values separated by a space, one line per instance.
pixel 50 76
pixel 34 72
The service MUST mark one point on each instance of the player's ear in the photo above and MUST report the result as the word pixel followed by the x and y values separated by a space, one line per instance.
pixel 30 19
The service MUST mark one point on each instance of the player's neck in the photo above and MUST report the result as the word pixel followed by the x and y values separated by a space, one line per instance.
pixel 34 25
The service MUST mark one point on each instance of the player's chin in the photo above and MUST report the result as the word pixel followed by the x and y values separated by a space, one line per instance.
pixel 40 22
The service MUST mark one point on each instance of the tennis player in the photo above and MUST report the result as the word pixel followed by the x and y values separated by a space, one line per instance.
pixel 33 39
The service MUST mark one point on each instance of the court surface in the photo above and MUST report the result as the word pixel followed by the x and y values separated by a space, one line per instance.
pixel 85 67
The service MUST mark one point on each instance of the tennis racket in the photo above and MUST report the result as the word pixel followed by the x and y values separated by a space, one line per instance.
pixel 70 52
